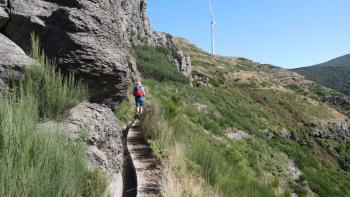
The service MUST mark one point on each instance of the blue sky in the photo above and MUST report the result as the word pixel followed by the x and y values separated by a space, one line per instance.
pixel 286 33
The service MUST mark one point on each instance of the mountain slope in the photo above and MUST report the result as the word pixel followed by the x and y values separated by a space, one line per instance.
pixel 243 129
pixel 333 74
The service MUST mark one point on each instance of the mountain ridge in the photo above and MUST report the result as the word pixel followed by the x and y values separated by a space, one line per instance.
pixel 333 74
pixel 343 60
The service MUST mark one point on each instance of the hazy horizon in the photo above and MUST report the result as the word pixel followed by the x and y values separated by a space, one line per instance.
pixel 290 34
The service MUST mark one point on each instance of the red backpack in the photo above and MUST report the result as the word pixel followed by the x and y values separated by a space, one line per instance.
pixel 139 92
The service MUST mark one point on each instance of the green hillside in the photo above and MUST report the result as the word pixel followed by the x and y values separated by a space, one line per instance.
pixel 241 129
pixel 333 74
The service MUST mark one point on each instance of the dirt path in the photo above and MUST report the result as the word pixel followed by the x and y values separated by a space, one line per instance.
pixel 144 163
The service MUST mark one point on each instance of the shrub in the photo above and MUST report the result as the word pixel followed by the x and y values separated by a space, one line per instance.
pixel 40 161
pixel 177 180
pixel 190 156
pixel 154 63
pixel 55 93
pixel 156 129
pixel 198 119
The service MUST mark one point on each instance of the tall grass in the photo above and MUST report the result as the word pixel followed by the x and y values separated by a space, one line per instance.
pixel 192 165
pixel 40 161
pixel 192 157
pixel 250 167
pixel 123 111
pixel 156 129
pixel 189 157
pixel 176 180
pixel 187 128
pixel 55 92
pixel 154 63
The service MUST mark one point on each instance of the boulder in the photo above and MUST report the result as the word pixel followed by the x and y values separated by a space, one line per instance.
pixel 293 171
pixel 13 61
pixel 285 133
pixel 97 125
pixel 236 134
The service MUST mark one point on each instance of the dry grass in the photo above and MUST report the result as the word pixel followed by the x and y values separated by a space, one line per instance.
pixel 252 98
pixel 178 181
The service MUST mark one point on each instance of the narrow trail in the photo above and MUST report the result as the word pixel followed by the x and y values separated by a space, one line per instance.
pixel 146 172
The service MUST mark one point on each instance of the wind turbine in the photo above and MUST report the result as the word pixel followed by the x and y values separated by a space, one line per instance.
pixel 213 23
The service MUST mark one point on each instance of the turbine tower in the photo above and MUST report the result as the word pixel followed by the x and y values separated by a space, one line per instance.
pixel 213 23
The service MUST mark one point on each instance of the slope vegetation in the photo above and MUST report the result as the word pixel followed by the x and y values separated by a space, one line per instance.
pixel 243 129
pixel 333 74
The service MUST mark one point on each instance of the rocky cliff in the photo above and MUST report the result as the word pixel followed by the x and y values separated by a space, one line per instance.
pixel 89 38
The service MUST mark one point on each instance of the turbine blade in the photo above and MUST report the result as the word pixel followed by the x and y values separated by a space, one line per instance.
pixel 211 11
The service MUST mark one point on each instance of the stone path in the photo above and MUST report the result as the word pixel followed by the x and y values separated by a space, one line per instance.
pixel 144 163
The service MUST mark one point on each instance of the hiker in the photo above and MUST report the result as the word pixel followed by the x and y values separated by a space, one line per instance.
pixel 139 94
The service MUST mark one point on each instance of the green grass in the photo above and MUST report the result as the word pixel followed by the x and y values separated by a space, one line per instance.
pixel 291 108
pixel 124 112
pixel 166 123
pixel 322 178
pixel 233 175
pixel 257 166
pixel 154 63
pixel 322 94
pixel 339 149
pixel 225 164
pixel 55 93
pixel 41 161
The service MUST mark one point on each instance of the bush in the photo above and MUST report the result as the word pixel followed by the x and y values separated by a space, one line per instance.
pixel 198 120
pixel 201 157
pixel 177 180
pixel 40 161
pixel 232 177
pixel 156 129
pixel 55 93
pixel 154 63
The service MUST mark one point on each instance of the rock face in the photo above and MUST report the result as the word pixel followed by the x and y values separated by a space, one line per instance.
pixel 178 57
pixel 85 37
pixel 90 38
pixel 13 61
pixel 4 16
pixel 331 130
pixel 105 148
